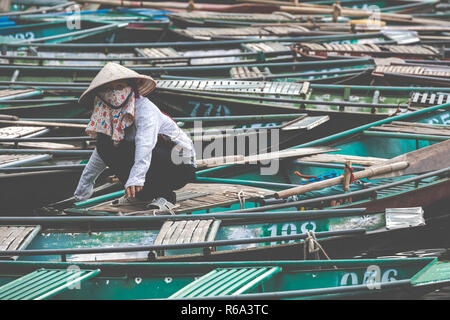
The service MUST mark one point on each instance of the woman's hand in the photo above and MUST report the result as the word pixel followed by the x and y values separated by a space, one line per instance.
pixel 131 191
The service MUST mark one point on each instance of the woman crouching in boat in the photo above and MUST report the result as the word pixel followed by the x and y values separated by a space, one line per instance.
pixel 144 147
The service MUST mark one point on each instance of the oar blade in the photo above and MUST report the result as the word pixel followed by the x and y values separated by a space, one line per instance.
pixel 431 158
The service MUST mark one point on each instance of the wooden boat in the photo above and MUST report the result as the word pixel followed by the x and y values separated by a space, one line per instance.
pixel 33 150
pixel 412 189
pixel 344 279
pixel 401 51
pixel 142 24
pixel 119 15
pixel 53 8
pixel 394 72
pixel 282 235
pixel 367 145
pixel 58 31
pixel 228 98
pixel 324 71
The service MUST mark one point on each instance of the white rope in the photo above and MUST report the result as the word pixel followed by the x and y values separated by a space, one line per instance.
pixel 313 246
pixel 241 197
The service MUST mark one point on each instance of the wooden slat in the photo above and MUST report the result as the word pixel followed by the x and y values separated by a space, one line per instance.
pixel 19 131
pixel 20 237
pixel 217 195
pixel 177 230
pixel 201 231
pixel 7 241
pixel 162 233
pixel 187 232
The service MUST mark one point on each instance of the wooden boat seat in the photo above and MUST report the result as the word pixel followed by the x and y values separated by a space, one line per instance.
pixel 30 131
pixel 159 52
pixel 422 50
pixel 443 72
pixel 16 238
pixel 414 128
pixel 44 283
pixel 20 131
pixel 424 99
pixel 266 47
pixel 195 197
pixel 227 282
pixel 11 160
pixel 245 72
pixel 187 231
pixel 240 87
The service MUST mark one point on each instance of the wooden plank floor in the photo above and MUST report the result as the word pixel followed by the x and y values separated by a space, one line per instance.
pixel 214 195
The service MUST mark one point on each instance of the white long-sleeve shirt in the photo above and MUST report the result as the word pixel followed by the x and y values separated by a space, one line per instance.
pixel 148 123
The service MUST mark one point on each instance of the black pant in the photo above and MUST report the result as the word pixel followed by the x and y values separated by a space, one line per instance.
pixel 163 176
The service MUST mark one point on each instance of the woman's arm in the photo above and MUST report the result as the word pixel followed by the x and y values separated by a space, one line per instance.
pixel 147 123
pixel 93 169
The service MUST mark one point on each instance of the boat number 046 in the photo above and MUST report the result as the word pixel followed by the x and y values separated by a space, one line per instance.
pixel 371 276
pixel 291 229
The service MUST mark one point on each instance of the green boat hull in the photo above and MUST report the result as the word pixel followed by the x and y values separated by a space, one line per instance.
pixel 160 281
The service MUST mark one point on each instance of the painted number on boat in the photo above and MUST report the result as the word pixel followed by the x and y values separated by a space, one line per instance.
pixel 209 109
pixel 443 118
pixel 22 36
pixel 371 276
pixel 288 229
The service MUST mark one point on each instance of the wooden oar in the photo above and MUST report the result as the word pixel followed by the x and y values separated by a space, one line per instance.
pixel 431 158
pixel 427 159
pixel 253 159
pixel 367 173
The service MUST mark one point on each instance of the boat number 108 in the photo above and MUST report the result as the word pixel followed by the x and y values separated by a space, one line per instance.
pixel 291 229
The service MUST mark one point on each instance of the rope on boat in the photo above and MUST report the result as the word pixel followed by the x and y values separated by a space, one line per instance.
pixel 241 196
pixel 313 246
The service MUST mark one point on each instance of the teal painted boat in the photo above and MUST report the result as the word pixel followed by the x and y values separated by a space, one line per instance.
pixel 219 237
pixel 345 279
pixel 364 146
pixel 58 31
pixel 35 148
pixel 375 142
pixel 324 71
pixel 349 106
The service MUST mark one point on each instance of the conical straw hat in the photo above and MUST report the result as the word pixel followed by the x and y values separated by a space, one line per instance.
pixel 113 72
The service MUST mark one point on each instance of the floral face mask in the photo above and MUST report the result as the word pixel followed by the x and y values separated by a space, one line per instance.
pixel 114 111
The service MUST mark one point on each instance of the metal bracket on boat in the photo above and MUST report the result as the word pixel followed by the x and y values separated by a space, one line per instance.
pixel 152 255
pixel 207 250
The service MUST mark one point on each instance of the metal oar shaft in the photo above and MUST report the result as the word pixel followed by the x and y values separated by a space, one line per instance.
pixel 207 244
pixel 70 221
pixel 76 167
pixel 47 151
pixel 45 139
